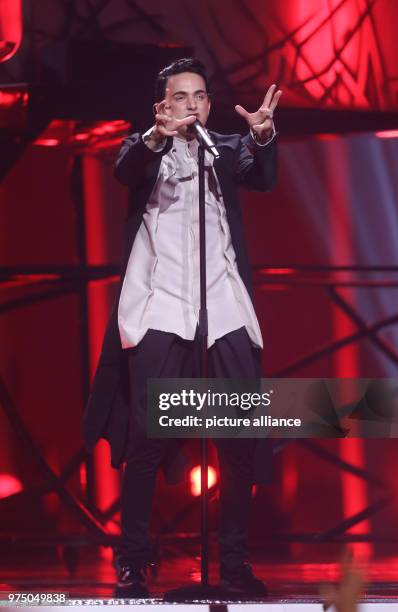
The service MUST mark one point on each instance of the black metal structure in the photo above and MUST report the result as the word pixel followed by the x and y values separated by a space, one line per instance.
pixel 76 279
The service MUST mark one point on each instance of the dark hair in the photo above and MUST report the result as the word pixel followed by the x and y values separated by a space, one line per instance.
pixel 185 64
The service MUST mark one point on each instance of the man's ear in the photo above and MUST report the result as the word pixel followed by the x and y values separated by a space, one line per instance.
pixel 155 108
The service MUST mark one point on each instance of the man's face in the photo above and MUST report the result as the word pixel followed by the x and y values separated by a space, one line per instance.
pixel 188 96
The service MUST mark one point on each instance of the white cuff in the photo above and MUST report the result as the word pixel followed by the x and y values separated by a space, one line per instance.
pixel 146 136
pixel 270 139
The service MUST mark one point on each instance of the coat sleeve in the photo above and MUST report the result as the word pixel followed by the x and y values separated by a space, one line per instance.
pixel 257 165
pixel 135 160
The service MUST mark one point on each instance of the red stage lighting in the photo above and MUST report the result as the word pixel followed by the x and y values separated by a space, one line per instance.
pixel 8 99
pixel 277 271
pixel 195 476
pixel 13 107
pixel 47 142
pixel 387 134
pixel 9 485
pixel 10 28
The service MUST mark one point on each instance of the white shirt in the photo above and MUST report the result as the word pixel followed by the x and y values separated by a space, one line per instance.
pixel 161 288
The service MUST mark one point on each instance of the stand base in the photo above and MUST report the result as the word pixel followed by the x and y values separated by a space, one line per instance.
pixel 197 592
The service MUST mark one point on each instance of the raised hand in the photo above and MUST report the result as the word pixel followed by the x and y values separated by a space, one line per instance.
pixel 166 123
pixel 345 595
pixel 261 121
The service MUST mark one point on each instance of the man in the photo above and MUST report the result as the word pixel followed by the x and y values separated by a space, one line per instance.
pixel 153 328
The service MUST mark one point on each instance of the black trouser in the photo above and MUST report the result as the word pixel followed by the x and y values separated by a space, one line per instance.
pixel 165 355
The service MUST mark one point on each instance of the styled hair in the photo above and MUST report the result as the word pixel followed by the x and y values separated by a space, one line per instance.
pixel 185 64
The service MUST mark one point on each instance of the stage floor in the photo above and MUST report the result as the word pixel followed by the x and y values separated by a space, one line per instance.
pixel 91 576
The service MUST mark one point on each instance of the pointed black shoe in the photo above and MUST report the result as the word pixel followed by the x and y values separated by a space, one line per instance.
pixel 240 581
pixel 131 579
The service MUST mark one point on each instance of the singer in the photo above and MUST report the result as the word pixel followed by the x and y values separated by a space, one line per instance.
pixel 152 331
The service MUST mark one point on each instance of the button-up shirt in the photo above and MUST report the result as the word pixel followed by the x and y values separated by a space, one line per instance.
pixel 161 288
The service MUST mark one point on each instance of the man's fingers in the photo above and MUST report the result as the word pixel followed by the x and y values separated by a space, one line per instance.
pixel 328 593
pixel 241 111
pixel 268 96
pixel 162 107
pixel 169 123
pixel 187 120
pixel 275 100
pixel 347 558
pixel 168 96
pixel 269 110
pixel 165 132
pixel 163 118
pixel 352 584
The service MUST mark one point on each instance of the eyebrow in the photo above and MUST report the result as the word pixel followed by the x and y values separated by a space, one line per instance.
pixel 176 93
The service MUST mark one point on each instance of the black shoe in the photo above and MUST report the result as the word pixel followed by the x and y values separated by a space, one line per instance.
pixel 240 580
pixel 131 579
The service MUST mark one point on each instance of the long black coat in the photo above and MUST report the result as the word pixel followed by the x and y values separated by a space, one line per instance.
pixel 241 163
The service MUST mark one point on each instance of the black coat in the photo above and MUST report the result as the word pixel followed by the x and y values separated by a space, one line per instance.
pixel 241 164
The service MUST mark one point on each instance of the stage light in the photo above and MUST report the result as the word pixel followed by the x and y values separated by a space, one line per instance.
pixel 13 108
pixel 47 142
pixel 195 476
pixel 102 135
pixel 82 136
pixel 327 137
pixel 9 99
pixel 109 127
pixel 10 28
pixel 83 476
pixel 387 134
pixel 9 485
pixel 277 271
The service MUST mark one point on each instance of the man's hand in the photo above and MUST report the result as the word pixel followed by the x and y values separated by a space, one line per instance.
pixel 345 596
pixel 261 122
pixel 166 124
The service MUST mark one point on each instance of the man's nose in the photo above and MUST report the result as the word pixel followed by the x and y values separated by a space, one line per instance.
pixel 191 102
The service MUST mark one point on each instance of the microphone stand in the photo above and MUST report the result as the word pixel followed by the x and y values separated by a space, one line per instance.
pixel 203 591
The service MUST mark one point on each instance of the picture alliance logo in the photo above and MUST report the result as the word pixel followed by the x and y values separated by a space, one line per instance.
pixel 213 399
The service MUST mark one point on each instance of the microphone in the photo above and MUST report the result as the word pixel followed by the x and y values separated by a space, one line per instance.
pixel 203 137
